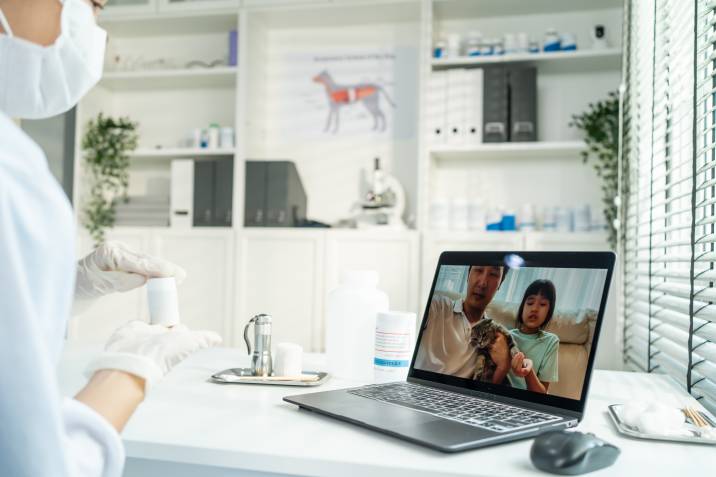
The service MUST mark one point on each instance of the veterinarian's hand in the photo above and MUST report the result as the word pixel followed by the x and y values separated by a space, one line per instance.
pixel 500 352
pixel 521 366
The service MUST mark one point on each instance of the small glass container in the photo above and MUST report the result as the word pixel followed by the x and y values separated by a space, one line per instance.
pixel 472 44
pixel 498 47
pixel 511 44
pixel 533 46
pixel 523 43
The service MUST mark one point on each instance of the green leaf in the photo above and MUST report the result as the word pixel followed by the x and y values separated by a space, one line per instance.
pixel 106 145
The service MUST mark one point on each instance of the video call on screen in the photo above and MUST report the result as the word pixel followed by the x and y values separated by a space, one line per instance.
pixel 544 319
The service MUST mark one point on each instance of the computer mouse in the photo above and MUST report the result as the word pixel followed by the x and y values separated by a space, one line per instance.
pixel 571 453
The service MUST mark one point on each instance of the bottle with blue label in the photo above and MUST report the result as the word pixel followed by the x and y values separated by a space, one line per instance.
pixel 508 222
pixel 551 41
pixel 494 220
pixel 439 48
pixel 394 345
pixel 568 42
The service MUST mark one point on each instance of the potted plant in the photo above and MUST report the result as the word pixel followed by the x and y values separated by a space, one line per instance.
pixel 600 125
pixel 106 146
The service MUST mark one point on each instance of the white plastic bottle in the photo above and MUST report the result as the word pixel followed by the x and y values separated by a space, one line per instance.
pixel 394 345
pixel 351 311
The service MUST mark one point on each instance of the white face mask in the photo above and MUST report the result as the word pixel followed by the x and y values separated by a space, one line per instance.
pixel 38 81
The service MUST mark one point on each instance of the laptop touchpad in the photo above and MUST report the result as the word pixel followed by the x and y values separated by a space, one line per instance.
pixel 385 415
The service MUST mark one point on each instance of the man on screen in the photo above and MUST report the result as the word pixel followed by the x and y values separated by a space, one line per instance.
pixel 445 345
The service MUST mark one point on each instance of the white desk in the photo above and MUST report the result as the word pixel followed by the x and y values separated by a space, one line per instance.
pixel 191 427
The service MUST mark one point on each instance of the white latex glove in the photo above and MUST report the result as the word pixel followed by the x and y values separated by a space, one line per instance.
pixel 150 351
pixel 114 267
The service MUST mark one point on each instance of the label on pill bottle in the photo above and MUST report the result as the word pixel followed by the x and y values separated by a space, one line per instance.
pixel 394 345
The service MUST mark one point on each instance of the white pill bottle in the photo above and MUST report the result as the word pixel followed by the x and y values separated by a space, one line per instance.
pixel 351 311
pixel 163 301
pixel 394 345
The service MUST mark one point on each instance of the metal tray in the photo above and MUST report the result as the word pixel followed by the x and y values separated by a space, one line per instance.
pixel 227 377
pixel 627 430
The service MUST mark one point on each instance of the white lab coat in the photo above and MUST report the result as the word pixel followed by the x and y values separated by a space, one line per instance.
pixel 40 433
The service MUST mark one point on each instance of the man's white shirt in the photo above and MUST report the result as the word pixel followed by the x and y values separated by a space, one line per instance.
pixel 445 344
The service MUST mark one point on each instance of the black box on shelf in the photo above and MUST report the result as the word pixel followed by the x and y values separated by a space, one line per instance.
pixel 495 104
pixel 523 103
pixel 274 195
pixel 213 192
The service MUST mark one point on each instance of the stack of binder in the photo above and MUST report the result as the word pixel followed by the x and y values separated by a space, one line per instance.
pixel 144 211
pixel 455 107
pixel 467 107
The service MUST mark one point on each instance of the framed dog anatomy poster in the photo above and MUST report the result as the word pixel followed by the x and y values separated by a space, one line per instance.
pixel 351 92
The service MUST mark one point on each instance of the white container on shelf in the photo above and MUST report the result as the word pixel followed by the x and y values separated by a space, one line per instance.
pixel 477 215
pixel 526 220
pixel 563 219
pixel 351 311
pixel 548 220
pixel 394 345
pixel 453 45
pixel 214 133
pixel 440 214
pixel 582 218
pixel 226 138
pixel 459 214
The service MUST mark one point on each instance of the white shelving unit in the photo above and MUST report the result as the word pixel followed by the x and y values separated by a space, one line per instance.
pixel 549 171
pixel 168 104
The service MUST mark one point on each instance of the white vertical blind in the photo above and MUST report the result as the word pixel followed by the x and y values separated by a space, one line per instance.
pixel 669 142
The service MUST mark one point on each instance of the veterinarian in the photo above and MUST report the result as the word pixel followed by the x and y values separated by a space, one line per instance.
pixel 51 54
pixel 445 347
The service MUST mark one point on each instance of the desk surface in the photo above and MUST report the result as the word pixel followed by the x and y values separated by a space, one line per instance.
pixel 189 420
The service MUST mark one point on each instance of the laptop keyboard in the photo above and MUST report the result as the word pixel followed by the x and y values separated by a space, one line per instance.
pixel 470 410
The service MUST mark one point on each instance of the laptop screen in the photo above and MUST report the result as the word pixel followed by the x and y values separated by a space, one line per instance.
pixel 527 328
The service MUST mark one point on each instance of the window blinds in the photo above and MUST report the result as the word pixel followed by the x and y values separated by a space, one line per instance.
pixel 669 198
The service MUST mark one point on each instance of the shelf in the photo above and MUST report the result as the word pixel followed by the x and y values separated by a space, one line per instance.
pixel 600 59
pixel 461 9
pixel 334 14
pixel 522 150
pixel 219 77
pixel 170 23
pixel 179 152
pixel 482 235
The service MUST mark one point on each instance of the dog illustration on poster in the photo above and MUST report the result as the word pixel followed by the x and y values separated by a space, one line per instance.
pixel 340 95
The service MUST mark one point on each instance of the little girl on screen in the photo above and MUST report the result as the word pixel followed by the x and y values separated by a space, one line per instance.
pixel 535 366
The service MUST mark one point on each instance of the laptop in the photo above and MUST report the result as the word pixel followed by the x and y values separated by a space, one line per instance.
pixel 486 367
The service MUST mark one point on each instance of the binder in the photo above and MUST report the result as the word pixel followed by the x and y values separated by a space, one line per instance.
pixel 495 107
pixel 181 195
pixel 523 104
pixel 255 193
pixel 203 193
pixel 456 107
pixel 223 192
pixel 437 107
pixel 473 103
